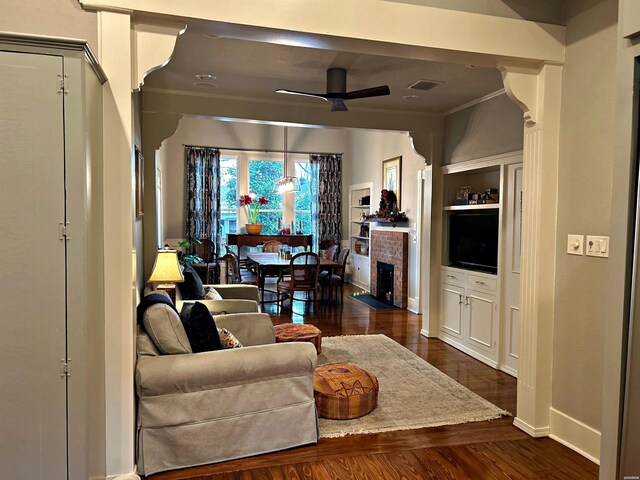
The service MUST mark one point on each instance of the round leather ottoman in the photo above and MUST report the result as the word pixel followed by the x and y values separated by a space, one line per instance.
pixel 344 391
pixel 296 332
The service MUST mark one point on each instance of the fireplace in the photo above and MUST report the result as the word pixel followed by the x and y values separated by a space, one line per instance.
pixel 384 281
pixel 390 247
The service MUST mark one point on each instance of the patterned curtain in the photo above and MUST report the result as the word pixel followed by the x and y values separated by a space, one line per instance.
pixel 203 194
pixel 326 213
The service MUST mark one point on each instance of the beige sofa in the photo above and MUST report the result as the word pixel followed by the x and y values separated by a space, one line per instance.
pixel 209 407
pixel 235 299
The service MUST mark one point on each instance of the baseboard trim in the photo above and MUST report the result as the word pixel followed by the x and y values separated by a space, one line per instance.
pixel 413 305
pixel 511 371
pixel 574 434
pixel 469 351
pixel 124 476
pixel 424 333
pixel 535 432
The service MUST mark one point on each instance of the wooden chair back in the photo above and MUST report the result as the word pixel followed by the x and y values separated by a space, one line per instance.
pixel 206 250
pixel 304 269
pixel 272 246
pixel 330 253
pixel 342 261
pixel 233 275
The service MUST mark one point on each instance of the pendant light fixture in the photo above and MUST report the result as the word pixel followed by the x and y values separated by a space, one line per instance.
pixel 286 184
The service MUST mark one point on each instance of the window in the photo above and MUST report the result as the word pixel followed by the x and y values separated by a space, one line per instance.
pixel 302 203
pixel 228 195
pixel 262 177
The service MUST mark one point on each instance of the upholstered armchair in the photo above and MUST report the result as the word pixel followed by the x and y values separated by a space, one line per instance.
pixel 200 408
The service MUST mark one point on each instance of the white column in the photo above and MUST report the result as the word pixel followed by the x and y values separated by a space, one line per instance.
pixel 119 277
pixel 538 93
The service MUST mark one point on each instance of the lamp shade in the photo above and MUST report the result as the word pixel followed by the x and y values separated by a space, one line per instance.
pixel 166 268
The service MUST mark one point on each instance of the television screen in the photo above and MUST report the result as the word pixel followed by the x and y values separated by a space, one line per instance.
pixel 473 240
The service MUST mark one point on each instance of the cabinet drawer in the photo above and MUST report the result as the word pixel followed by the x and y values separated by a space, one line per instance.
pixel 453 278
pixel 483 283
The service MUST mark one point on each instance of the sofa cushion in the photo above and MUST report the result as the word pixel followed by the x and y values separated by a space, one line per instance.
pixel 191 288
pixel 227 339
pixel 165 329
pixel 211 293
pixel 200 327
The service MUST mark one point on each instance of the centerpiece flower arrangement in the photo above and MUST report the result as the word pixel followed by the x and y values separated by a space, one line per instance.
pixel 252 206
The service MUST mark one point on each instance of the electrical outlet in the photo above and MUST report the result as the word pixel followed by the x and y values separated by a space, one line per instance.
pixel 597 246
pixel 575 244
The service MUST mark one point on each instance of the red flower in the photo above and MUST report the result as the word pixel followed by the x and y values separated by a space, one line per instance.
pixel 263 201
pixel 245 200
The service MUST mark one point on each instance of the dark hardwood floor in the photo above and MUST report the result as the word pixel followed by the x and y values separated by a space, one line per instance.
pixel 480 450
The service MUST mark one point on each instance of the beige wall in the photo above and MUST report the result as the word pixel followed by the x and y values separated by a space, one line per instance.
pixel 58 18
pixel 367 150
pixel 137 224
pixel 488 128
pixel 584 196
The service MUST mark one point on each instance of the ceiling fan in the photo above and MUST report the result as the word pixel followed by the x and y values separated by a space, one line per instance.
pixel 337 90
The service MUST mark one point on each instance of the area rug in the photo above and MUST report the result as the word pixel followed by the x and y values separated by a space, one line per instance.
pixel 413 393
pixel 371 301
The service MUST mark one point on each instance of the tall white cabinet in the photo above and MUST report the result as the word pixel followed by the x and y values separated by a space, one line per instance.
pixel 51 333
pixel 478 309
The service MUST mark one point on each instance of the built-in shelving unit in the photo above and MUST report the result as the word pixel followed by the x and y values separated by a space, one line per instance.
pixel 359 205
pixel 478 312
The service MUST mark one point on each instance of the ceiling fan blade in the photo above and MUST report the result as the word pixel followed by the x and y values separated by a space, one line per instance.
pixel 304 94
pixel 337 105
pixel 367 92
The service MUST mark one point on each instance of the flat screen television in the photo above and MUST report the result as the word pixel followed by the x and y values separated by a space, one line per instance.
pixel 473 240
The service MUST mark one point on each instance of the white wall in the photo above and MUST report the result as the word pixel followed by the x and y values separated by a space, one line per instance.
pixel 367 150
pixel 209 132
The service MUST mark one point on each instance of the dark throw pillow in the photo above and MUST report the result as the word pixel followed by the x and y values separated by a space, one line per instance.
pixel 200 327
pixel 191 288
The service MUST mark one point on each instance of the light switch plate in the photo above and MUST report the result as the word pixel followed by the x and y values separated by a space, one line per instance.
pixel 575 244
pixel 597 246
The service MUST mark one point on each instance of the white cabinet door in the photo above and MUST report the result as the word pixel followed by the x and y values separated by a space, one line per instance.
pixel 32 268
pixel 360 276
pixel 480 325
pixel 451 309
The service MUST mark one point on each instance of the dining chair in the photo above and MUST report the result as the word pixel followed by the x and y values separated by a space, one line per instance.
pixel 272 246
pixel 300 276
pixel 233 272
pixel 336 279
pixel 207 251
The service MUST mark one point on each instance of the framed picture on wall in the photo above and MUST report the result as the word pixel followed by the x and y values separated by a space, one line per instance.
pixel 392 176
pixel 139 193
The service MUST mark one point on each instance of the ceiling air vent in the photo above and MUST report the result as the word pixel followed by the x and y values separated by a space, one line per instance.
pixel 423 85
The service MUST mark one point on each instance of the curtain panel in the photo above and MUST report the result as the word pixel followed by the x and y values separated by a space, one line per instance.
pixel 326 213
pixel 203 195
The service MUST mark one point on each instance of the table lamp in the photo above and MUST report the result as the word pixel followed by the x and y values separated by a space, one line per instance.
pixel 166 272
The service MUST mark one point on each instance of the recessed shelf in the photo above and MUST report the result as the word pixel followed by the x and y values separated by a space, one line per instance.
pixel 360 206
pixel 486 206
pixel 360 238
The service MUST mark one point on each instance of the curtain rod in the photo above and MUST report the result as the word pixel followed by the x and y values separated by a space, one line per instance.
pixel 262 150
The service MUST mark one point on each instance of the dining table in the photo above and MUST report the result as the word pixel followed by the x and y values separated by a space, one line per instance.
pixel 271 263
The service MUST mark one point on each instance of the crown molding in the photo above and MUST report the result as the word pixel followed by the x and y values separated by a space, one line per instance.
pixel 71 44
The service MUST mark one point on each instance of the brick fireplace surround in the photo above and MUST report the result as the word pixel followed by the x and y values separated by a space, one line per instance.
pixel 393 248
